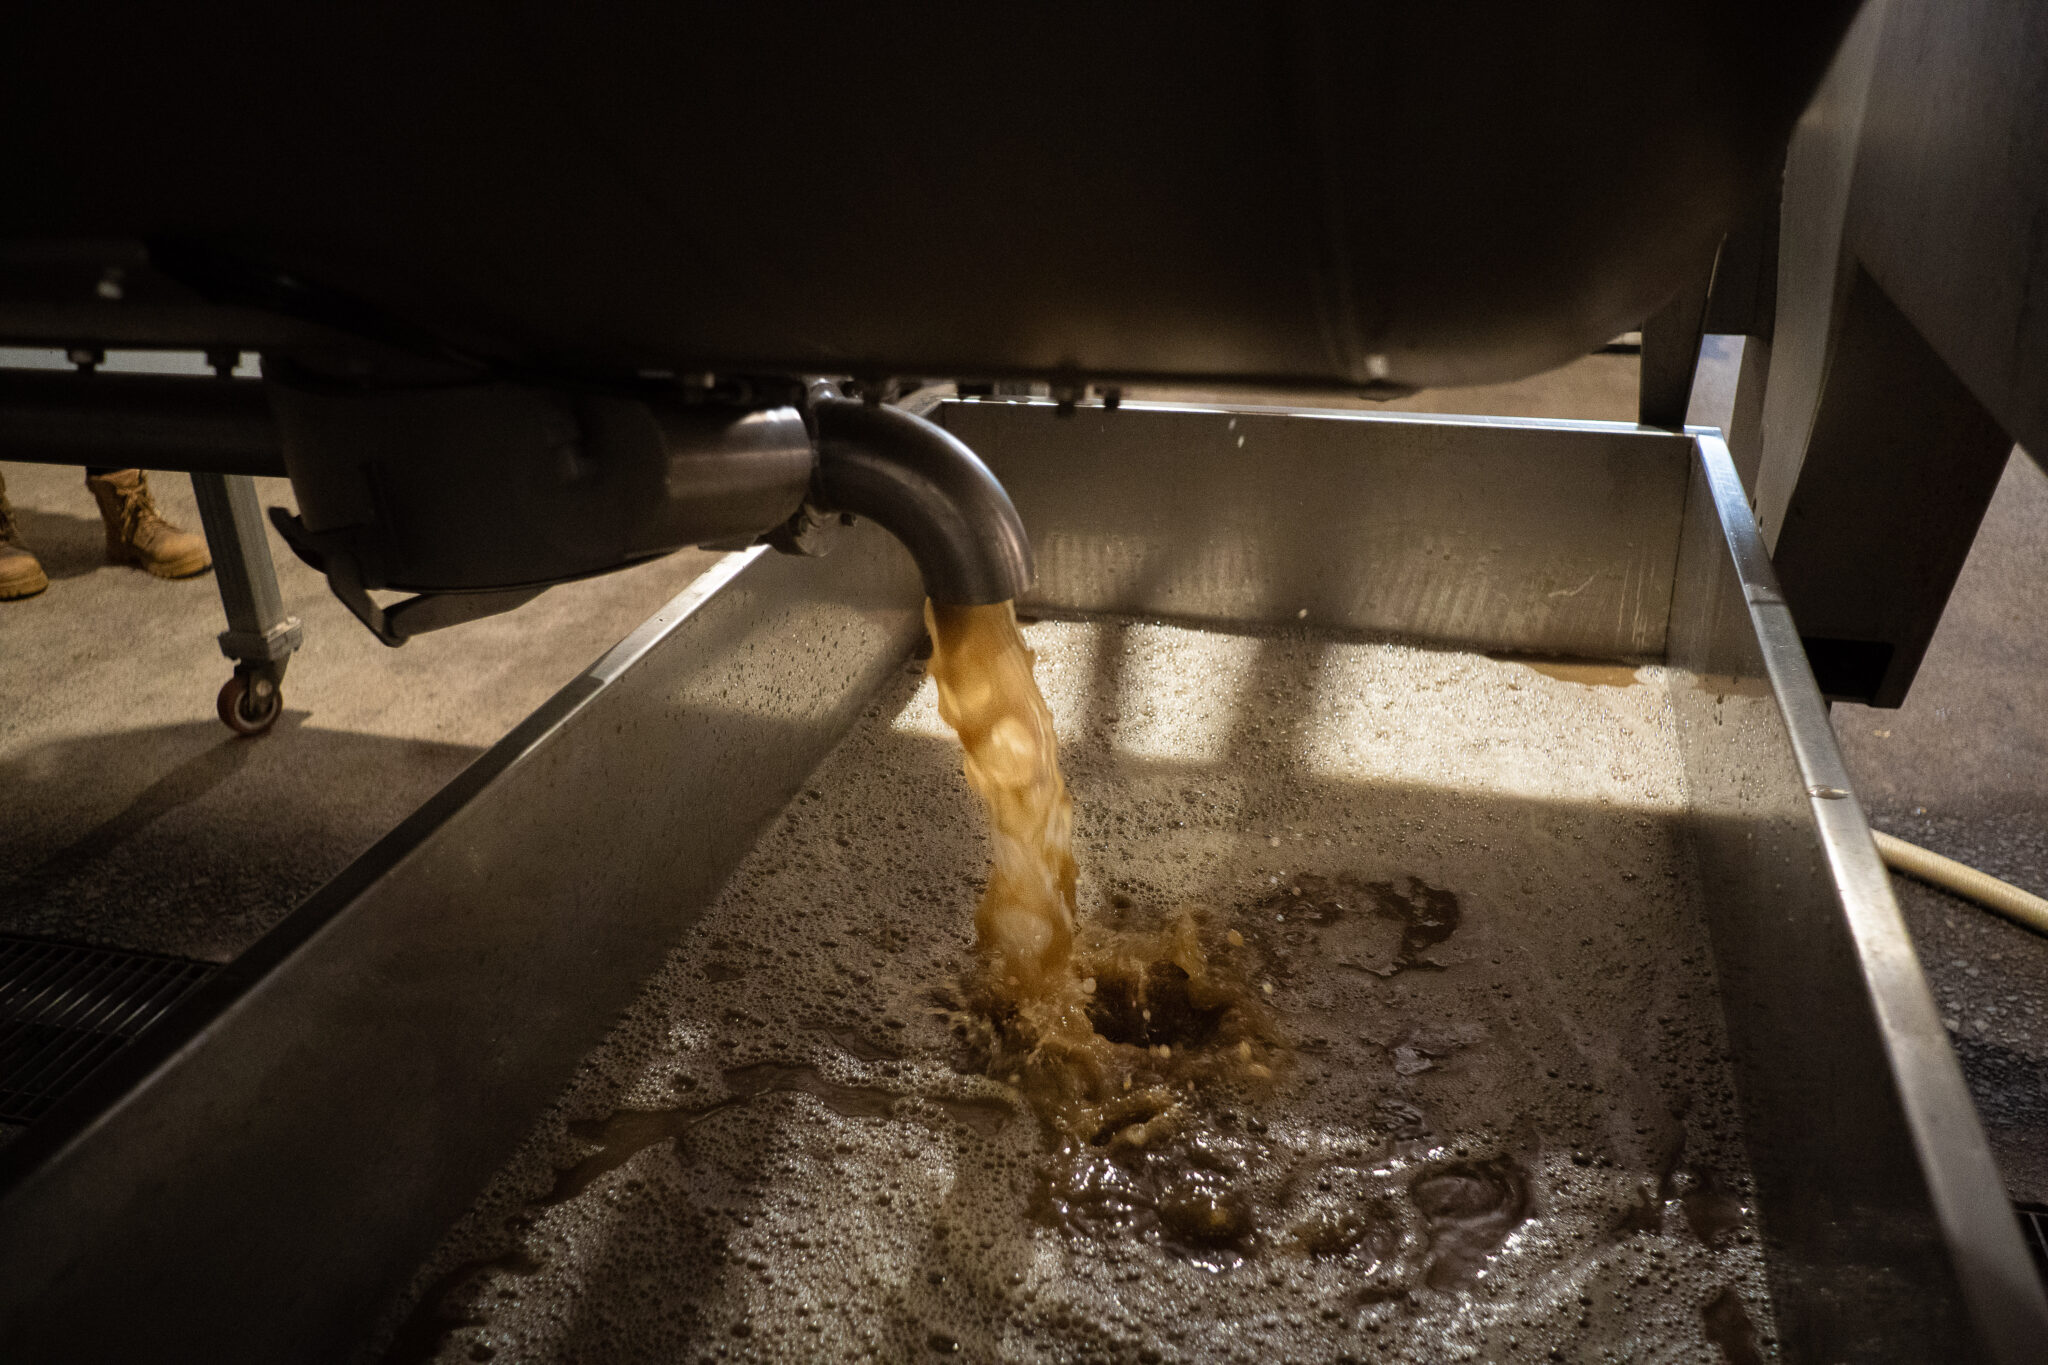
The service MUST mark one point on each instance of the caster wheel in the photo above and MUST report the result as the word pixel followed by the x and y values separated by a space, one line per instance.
pixel 249 706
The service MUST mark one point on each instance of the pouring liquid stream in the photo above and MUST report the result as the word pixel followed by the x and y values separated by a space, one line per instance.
pixel 1109 1032
pixel 1024 927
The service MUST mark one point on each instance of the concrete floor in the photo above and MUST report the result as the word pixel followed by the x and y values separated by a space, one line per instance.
pixel 129 816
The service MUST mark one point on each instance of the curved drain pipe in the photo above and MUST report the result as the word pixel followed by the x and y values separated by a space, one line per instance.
pixel 922 484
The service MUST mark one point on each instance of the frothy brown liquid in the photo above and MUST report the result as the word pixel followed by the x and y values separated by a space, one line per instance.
pixel 1110 1033
pixel 1501 1126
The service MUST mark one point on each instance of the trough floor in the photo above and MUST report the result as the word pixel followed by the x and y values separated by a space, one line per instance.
pixel 1505 1124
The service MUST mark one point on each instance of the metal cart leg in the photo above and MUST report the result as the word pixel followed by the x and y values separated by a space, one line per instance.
pixel 260 638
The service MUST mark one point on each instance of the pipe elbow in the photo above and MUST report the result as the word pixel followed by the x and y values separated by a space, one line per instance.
pixel 924 486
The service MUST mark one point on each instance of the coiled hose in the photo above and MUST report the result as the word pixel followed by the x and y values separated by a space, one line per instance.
pixel 2021 907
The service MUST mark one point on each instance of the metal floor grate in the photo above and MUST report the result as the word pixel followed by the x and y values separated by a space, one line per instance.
pixel 66 1009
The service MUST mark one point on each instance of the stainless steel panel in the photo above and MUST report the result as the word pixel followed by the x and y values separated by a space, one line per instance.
pixel 1900 464
pixel 264 1169
pixel 1950 193
pixel 1890 1235
pixel 1513 535
pixel 1820 166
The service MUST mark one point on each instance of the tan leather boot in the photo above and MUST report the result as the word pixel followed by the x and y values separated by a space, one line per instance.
pixel 137 535
pixel 20 574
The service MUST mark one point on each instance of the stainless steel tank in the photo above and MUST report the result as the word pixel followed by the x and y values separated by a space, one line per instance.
pixel 1369 196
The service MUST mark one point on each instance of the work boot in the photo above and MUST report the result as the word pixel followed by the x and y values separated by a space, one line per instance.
pixel 20 575
pixel 137 535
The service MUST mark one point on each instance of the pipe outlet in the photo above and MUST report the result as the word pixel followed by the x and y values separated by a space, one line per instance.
pixel 922 484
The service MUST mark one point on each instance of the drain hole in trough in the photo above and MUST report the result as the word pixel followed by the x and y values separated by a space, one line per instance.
pixel 1155 1008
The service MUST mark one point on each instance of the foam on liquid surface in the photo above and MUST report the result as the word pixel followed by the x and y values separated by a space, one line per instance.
pixel 1498 1120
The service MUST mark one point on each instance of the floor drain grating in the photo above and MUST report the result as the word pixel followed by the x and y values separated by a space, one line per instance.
pixel 66 1009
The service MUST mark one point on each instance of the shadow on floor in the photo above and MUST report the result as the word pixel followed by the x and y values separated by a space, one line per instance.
pixel 212 839
pixel 66 546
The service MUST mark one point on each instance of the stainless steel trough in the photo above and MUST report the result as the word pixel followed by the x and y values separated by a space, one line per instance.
pixel 259 1176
